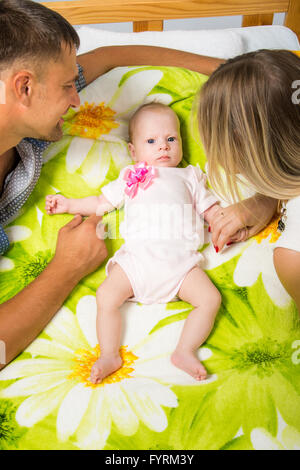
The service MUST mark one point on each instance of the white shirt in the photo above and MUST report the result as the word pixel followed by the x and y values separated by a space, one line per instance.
pixel 169 209
pixel 290 237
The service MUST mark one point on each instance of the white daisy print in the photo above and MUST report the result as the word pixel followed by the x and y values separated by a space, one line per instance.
pixel 107 105
pixel 58 379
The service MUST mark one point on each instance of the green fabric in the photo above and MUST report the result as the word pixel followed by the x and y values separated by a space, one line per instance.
pixel 251 399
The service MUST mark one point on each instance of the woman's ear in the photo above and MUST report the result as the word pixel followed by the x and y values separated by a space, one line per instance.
pixel 132 151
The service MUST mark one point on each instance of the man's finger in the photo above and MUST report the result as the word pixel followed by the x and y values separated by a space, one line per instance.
pixel 94 219
pixel 77 219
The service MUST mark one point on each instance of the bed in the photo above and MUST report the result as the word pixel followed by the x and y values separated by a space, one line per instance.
pixel 251 399
pixel 149 15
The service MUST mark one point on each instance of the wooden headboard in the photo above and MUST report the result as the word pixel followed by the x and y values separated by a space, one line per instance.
pixel 148 15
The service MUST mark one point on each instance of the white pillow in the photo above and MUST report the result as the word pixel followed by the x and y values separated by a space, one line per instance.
pixel 215 43
pixel 224 43
pixel 267 37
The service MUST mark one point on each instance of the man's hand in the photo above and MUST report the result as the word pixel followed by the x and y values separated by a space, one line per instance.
pixel 241 221
pixel 78 249
pixel 78 253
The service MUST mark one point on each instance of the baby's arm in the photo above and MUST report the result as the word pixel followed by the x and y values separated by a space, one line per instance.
pixel 58 204
pixel 211 212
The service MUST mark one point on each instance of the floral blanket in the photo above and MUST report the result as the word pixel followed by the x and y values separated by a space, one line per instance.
pixel 251 399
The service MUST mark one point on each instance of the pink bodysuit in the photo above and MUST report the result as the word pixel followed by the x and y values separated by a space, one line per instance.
pixel 162 229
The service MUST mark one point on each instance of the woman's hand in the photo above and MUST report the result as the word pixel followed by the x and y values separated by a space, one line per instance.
pixel 242 220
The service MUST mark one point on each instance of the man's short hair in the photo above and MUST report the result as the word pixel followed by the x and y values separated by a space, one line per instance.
pixel 31 32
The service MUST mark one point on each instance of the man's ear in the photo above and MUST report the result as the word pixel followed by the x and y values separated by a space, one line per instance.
pixel 23 87
pixel 132 151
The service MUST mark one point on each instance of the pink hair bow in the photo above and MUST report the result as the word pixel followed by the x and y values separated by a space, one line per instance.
pixel 141 176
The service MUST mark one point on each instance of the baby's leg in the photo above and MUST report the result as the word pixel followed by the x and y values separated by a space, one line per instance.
pixel 112 293
pixel 198 290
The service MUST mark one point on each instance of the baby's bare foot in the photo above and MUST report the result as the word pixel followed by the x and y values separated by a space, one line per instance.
pixel 103 367
pixel 189 363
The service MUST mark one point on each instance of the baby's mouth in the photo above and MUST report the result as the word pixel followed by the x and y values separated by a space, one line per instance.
pixel 164 157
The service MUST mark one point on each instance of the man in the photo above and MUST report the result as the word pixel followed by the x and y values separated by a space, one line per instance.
pixel 40 80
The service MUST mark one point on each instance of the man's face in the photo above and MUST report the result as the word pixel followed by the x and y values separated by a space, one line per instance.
pixel 53 96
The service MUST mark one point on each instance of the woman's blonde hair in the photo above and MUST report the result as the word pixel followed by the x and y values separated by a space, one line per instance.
pixel 249 118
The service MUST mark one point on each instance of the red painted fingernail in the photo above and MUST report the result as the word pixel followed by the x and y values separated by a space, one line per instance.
pixel 217 249
pixel 209 228
pixel 229 243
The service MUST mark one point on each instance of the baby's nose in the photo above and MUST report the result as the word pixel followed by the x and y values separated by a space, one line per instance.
pixel 164 145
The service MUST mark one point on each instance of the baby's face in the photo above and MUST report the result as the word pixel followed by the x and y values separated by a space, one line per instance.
pixel 157 139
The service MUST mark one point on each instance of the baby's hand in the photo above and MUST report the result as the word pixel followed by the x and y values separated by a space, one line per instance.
pixel 56 204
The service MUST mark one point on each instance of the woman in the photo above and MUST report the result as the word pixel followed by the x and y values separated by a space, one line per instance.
pixel 249 119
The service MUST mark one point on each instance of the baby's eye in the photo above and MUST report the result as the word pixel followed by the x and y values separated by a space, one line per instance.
pixel 150 141
pixel 171 139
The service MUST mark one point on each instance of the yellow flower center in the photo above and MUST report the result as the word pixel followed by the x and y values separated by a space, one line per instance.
pixel 91 121
pixel 85 359
pixel 271 229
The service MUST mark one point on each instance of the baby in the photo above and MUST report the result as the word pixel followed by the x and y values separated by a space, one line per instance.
pixel 151 268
